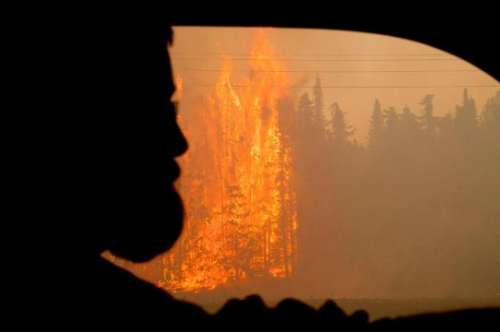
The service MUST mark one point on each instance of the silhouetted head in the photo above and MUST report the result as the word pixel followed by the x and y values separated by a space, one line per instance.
pixel 133 139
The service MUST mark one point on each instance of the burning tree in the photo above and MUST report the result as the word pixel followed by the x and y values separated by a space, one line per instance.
pixel 241 218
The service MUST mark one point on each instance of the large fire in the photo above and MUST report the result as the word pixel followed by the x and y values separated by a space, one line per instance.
pixel 241 217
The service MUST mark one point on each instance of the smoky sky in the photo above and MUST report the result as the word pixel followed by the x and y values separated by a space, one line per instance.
pixel 357 67
pixel 403 201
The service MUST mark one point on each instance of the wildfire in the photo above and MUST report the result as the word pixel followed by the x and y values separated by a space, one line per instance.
pixel 241 217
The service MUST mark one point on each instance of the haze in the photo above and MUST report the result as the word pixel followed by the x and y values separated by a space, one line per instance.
pixel 385 153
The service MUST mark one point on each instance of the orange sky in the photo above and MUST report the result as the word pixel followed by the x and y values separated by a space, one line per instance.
pixel 353 65
pixel 355 68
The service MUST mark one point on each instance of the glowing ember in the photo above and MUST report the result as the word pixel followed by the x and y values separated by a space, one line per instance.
pixel 241 218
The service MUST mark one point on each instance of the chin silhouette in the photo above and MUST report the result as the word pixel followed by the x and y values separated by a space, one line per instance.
pixel 154 231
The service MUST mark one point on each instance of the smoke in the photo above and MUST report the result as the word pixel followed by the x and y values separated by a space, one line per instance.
pixel 412 211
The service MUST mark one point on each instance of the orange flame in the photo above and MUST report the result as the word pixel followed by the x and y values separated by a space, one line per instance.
pixel 241 218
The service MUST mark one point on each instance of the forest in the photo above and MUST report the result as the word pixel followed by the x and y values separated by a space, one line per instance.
pixel 284 197
pixel 414 212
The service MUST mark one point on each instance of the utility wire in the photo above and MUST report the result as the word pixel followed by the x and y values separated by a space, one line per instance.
pixel 186 54
pixel 335 71
pixel 328 60
pixel 367 86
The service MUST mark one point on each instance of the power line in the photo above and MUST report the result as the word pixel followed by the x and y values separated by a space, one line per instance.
pixel 186 54
pixel 336 71
pixel 366 86
pixel 328 60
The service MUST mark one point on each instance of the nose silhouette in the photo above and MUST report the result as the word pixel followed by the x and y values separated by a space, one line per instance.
pixel 176 141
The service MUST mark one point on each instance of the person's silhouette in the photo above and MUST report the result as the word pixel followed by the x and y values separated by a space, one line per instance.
pixel 134 211
pixel 125 201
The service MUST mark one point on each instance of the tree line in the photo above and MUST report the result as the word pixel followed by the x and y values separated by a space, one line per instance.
pixel 415 210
